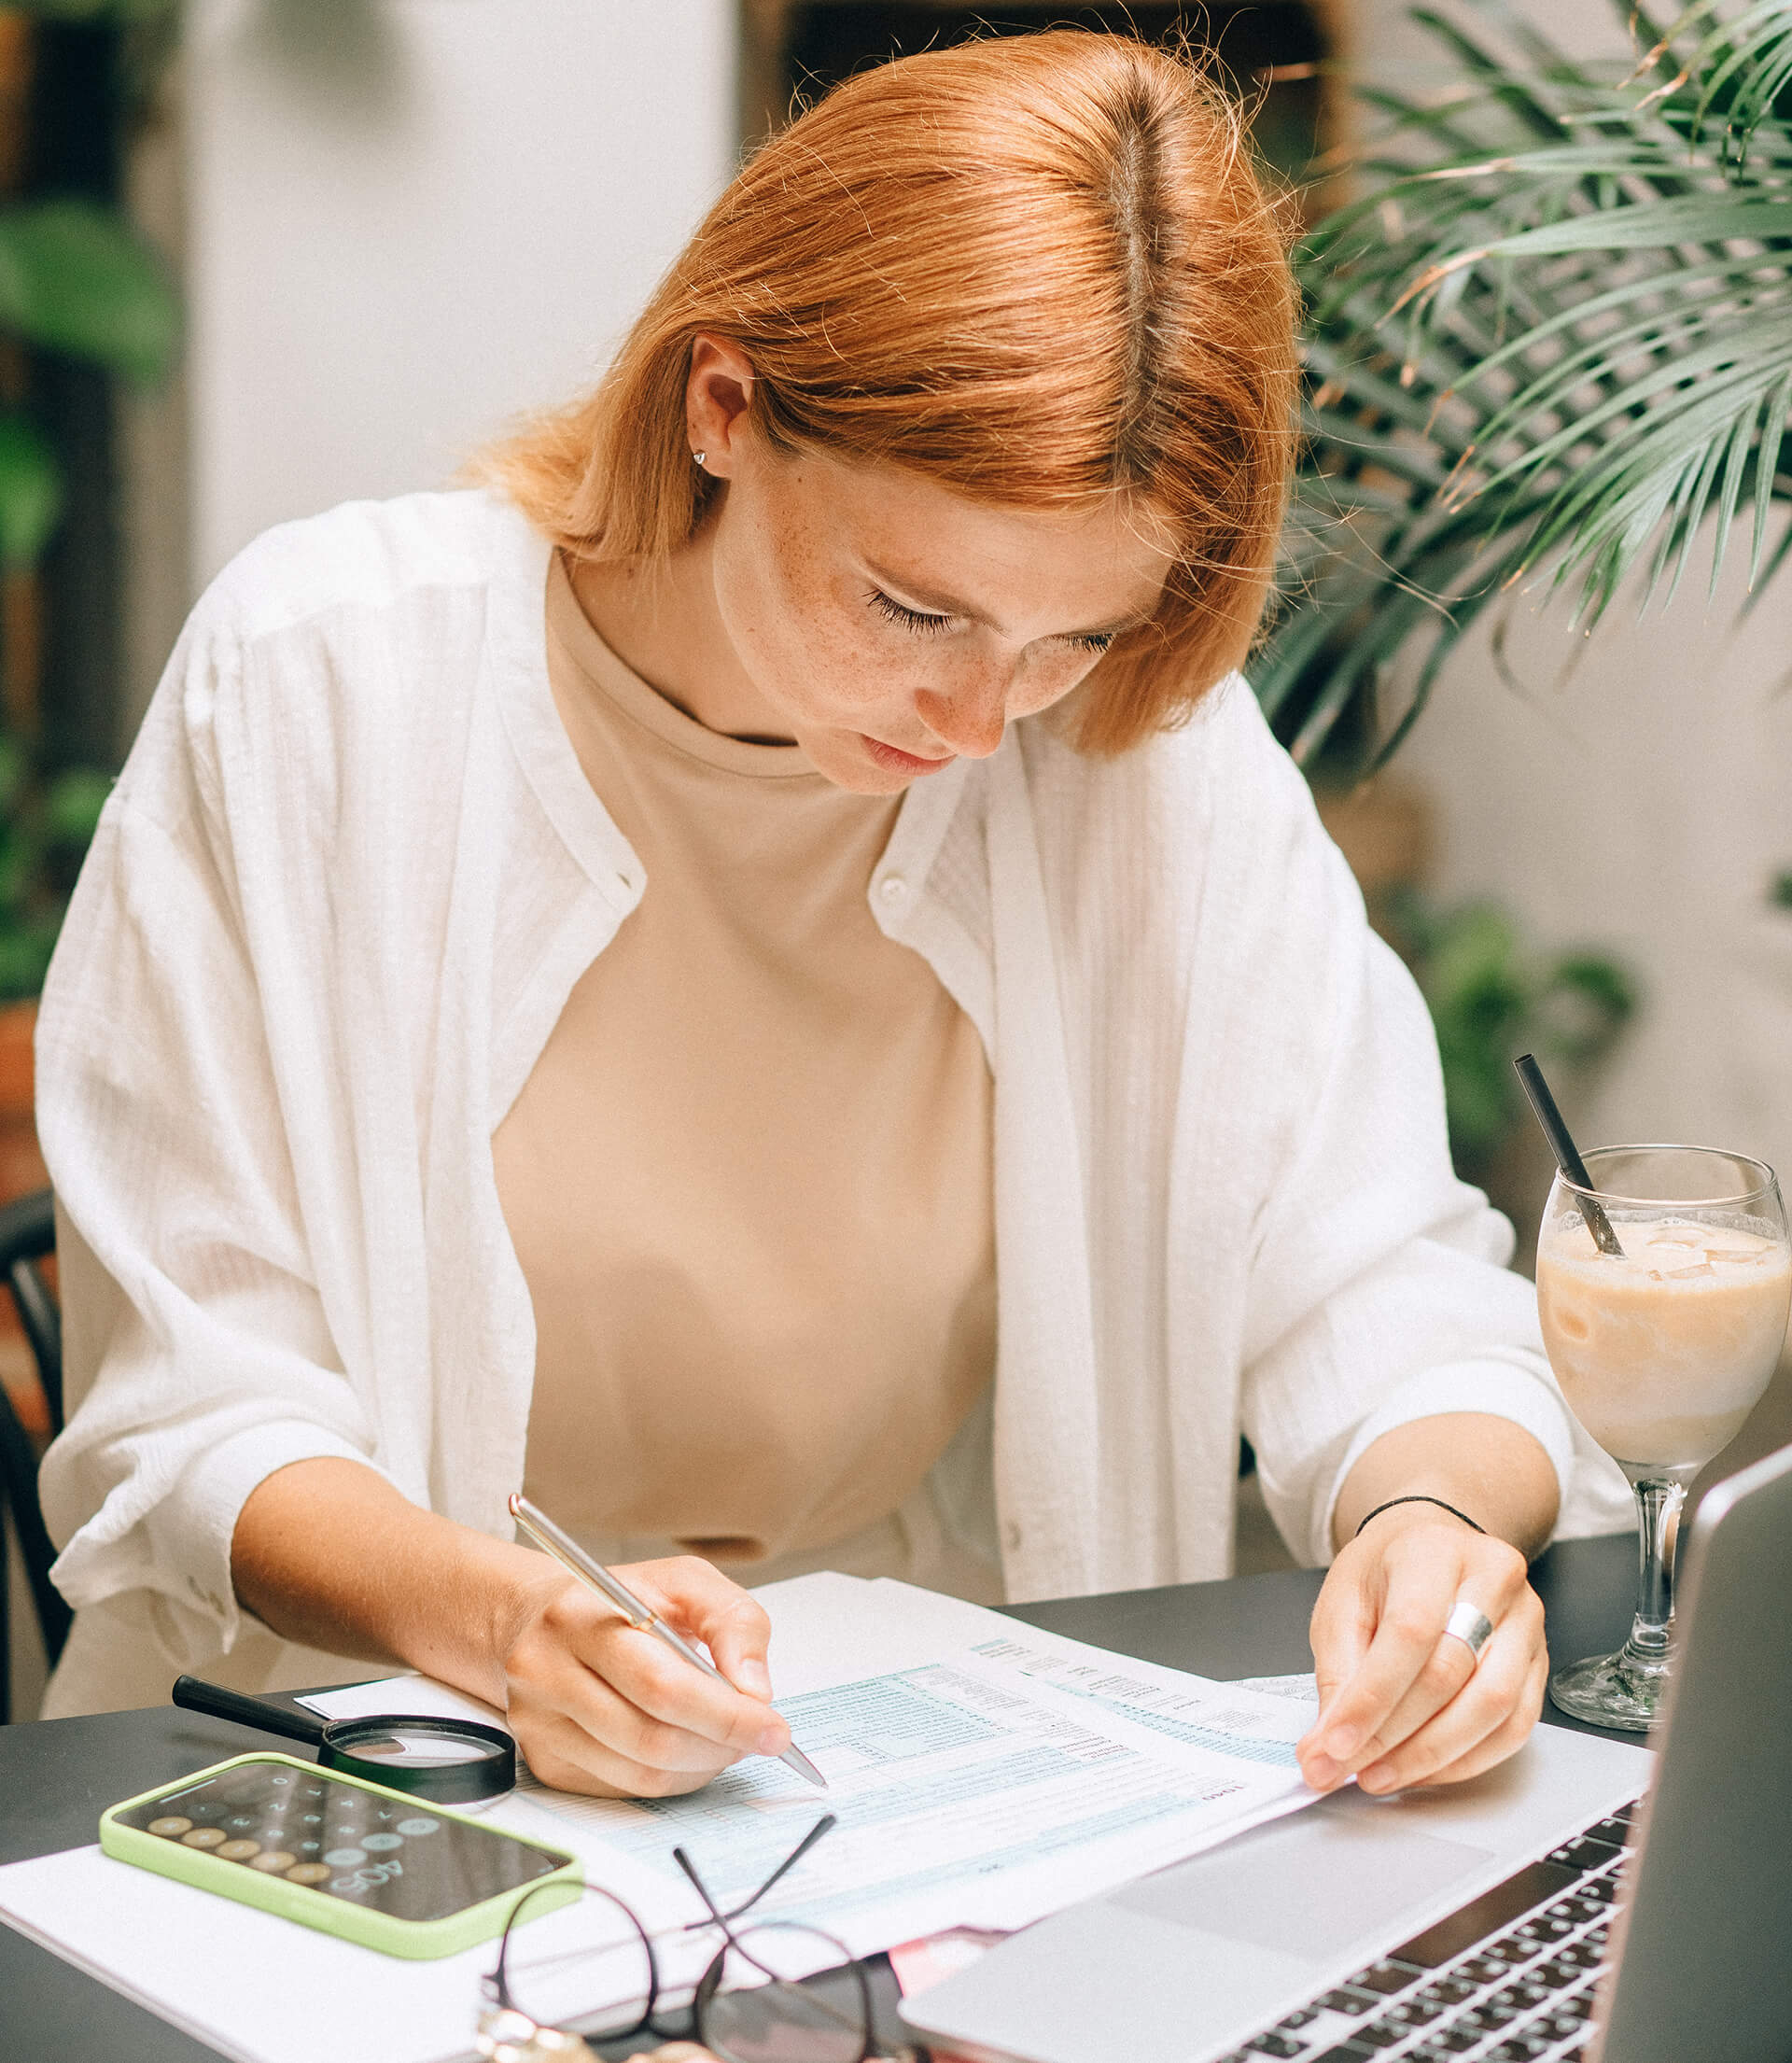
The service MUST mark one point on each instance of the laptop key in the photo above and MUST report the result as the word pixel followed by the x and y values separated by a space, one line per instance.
pixel 1345 2000
pixel 1346 2052
pixel 1583 1853
pixel 1544 1928
pixel 1380 2034
pixel 1447 1991
pixel 1484 1968
pixel 1522 1994
pixel 1519 2048
pixel 1490 2015
pixel 1555 1973
pixel 1276 2045
pixel 1387 1977
pixel 1417 2012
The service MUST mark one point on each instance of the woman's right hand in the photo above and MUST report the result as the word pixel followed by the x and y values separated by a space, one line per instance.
pixel 327 1552
pixel 598 1707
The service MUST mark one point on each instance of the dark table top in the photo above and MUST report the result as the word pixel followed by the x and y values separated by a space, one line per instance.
pixel 57 1776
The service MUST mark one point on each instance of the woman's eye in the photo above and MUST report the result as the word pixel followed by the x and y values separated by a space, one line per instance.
pixel 910 619
pixel 1097 641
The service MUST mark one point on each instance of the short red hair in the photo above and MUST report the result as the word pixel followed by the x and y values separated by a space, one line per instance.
pixel 1039 270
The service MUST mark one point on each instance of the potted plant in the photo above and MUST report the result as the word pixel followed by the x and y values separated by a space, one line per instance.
pixel 1551 336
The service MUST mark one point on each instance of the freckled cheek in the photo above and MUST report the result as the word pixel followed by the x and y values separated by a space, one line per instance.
pixel 1038 687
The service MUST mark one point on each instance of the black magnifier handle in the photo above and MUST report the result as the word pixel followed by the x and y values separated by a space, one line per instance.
pixel 220 1704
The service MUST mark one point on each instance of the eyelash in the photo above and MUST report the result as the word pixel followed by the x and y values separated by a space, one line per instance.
pixel 894 611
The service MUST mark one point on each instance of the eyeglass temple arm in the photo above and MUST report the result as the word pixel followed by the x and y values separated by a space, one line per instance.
pixel 824 1825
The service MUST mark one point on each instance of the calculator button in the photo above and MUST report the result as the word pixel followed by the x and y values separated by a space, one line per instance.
pixel 307 1872
pixel 173 1824
pixel 417 1827
pixel 204 1837
pixel 343 1859
pixel 273 1860
pixel 379 1843
pixel 239 1851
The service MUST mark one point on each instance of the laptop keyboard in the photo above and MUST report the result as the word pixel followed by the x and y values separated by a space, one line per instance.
pixel 1507 1979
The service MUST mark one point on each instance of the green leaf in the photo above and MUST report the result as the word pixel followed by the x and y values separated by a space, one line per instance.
pixel 31 492
pixel 76 277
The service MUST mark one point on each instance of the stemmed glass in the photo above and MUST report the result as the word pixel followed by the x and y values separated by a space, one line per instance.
pixel 1663 1286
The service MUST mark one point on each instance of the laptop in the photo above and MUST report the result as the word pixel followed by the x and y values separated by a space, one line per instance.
pixel 1549 1912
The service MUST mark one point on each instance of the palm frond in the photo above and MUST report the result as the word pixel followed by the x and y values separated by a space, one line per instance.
pixel 1551 338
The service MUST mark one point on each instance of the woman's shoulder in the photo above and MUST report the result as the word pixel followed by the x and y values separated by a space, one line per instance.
pixel 1218 779
pixel 371 556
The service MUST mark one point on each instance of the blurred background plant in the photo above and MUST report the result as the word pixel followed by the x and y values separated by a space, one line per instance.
pixel 84 301
pixel 1548 338
pixel 1491 997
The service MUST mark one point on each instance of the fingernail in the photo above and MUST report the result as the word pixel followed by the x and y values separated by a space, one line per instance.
pixel 756 1677
pixel 1320 1772
pixel 1338 1747
pixel 774 1741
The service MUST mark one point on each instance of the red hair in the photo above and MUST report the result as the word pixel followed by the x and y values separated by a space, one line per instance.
pixel 1039 270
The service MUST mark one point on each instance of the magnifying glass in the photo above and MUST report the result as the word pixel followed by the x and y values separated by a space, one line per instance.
pixel 449 1762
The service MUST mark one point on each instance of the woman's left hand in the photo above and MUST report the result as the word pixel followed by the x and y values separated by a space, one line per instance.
pixel 1401 1703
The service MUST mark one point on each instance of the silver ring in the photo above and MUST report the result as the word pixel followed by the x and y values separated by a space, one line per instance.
pixel 1469 1624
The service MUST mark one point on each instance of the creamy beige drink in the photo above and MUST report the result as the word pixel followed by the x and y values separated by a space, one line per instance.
pixel 1663 1351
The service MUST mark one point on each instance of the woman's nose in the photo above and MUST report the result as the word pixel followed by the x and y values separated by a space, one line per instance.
pixel 970 720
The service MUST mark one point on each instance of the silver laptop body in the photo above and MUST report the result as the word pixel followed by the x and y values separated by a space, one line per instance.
pixel 1527 1915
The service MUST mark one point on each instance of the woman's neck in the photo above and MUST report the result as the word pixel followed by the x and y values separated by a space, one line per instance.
pixel 664 624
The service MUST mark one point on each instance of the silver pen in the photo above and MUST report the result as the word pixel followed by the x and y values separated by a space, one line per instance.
pixel 573 1558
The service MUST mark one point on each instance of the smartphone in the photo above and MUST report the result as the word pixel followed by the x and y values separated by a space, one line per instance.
pixel 334 1852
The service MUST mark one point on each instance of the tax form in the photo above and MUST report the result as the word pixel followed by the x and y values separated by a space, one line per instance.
pixel 968 1792
pixel 987 1774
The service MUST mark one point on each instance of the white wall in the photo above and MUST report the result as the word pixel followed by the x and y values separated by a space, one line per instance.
pixel 1642 803
pixel 410 219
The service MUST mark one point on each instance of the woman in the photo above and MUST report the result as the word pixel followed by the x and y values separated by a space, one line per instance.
pixel 764 976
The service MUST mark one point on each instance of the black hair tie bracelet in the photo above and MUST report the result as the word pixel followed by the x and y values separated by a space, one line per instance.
pixel 1418 1498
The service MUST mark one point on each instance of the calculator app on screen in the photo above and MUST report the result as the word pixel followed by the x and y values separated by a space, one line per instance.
pixel 388 1854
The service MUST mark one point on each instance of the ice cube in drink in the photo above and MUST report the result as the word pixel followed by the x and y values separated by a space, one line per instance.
pixel 1663 1351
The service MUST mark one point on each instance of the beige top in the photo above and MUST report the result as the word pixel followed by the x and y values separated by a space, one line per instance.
pixel 749 1180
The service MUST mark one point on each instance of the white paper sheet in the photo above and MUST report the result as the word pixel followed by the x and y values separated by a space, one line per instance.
pixel 983 1775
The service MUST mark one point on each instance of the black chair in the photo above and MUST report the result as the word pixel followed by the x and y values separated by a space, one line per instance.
pixel 27 1235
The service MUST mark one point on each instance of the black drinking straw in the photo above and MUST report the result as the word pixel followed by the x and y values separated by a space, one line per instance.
pixel 1567 1154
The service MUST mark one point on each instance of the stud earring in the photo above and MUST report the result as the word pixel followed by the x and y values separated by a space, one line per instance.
pixel 700 455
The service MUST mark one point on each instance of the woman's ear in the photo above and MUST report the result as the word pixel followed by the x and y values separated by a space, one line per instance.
pixel 717 398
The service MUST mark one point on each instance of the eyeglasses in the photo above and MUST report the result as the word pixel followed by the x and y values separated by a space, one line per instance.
pixel 776 1991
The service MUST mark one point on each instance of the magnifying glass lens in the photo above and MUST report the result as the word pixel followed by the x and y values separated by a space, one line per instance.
pixel 420 1751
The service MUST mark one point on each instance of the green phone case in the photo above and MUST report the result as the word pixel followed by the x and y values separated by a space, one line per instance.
pixel 417 1939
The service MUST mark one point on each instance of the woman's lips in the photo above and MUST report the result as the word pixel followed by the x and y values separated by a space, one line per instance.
pixel 899 761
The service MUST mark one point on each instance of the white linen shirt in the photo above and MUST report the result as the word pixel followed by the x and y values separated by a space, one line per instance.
pixel 334 908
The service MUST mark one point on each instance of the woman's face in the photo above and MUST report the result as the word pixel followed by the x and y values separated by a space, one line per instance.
pixel 888 625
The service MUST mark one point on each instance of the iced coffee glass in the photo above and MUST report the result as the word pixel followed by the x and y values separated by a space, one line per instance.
pixel 1662 1350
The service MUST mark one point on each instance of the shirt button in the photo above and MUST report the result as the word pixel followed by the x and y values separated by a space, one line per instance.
pixel 894 891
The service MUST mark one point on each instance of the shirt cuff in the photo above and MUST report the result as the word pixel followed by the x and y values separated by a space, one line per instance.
pixel 199 1519
pixel 1501 1389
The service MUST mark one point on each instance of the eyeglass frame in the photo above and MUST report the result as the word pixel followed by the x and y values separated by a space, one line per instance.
pixel 525 2029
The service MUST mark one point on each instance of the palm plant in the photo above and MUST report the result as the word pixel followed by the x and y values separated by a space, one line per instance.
pixel 1551 338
